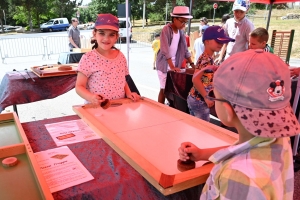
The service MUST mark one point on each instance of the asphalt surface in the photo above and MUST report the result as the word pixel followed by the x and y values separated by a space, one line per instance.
pixel 140 67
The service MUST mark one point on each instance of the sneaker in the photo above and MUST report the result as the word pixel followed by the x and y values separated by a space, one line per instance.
pixel 154 68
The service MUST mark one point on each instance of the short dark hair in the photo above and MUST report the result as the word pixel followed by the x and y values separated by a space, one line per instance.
pixel 74 19
pixel 204 19
pixel 261 34
pixel 225 17
pixel 156 35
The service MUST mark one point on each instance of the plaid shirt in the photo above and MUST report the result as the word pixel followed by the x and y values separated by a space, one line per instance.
pixel 261 168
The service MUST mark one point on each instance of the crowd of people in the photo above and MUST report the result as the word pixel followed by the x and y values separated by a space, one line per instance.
pixel 235 72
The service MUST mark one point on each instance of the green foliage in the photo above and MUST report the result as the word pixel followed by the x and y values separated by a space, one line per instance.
pixel 36 12
pixel 154 17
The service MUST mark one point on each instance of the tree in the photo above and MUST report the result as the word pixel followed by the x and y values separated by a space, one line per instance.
pixel 4 4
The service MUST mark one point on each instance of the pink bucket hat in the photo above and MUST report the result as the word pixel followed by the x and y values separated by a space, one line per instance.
pixel 107 21
pixel 258 86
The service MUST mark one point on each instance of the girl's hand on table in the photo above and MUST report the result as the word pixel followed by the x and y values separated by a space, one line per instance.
pixel 96 99
pixel 134 96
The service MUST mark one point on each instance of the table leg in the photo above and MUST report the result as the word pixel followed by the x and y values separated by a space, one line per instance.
pixel 15 109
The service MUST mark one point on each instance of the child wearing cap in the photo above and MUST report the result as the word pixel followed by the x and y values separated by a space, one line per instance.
pixel 258 40
pixel 102 71
pixel 213 38
pixel 155 47
pixel 256 102
pixel 237 28
pixel 173 47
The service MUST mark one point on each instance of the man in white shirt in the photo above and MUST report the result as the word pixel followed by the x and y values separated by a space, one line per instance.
pixel 238 28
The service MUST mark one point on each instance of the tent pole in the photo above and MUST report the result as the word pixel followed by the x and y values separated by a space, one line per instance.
pixel 269 16
pixel 190 20
pixel 127 30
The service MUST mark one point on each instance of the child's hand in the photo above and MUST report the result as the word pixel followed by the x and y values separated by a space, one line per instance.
pixel 209 102
pixel 188 151
pixel 96 99
pixel 134 96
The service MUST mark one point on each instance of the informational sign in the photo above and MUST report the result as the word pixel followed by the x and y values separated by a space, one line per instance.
pixel 215 6
pixel 61 168
pixel 122 10
pixel 69 132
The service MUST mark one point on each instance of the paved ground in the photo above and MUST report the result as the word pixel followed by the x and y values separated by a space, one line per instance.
pixel 140 66
pixel 141 70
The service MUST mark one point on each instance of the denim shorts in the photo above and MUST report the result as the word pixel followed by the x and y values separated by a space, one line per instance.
pixel 198 108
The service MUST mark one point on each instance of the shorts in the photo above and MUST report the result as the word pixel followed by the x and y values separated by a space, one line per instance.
pixel 198 108
pixel 162 77
pixel 155 56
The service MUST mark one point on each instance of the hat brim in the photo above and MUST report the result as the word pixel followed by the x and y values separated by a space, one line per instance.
pixel 107 27
pixel 238 7
pixel 183 16
pixel 268 123
pixel 225 40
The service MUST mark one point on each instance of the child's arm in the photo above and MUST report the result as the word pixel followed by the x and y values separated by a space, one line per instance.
pixel 200 87
pixel 188 150
pixel 81 90
pixel 221 54
pixel 131 95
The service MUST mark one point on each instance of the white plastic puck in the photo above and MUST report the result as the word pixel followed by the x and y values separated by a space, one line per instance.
pixel 10 162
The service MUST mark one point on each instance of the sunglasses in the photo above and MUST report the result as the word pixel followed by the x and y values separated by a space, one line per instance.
pixel 182 22
pixel 211 96
pixel 74 21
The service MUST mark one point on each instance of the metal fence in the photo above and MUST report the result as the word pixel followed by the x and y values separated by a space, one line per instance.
pixel 35 46
pixel 21 47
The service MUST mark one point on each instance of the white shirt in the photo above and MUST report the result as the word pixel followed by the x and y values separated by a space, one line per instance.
pixel 174 46
pixel 240 32
pixel 199 48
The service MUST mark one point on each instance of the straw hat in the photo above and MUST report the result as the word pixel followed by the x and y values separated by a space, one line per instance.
pixel 181 11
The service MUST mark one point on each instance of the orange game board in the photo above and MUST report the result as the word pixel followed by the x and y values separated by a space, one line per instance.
pixel 148 134
pixel 25 180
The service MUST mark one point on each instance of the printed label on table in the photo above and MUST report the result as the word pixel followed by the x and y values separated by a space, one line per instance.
pixel 61 168
pixel 69 132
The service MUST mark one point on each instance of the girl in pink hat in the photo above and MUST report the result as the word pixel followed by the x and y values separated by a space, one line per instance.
pixel 102 71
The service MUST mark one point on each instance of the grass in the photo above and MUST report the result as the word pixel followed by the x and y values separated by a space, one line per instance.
pixel 259 20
